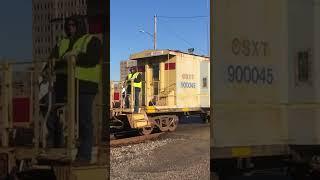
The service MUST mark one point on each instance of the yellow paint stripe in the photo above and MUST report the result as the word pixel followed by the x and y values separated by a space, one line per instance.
pixel 150 109
pixel 241 152
pixel 185 109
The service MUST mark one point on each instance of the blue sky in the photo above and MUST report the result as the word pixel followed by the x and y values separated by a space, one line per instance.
pixel 16 29
pixel 128 17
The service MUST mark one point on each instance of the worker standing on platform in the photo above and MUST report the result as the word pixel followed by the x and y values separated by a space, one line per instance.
pixel 137 85
pixel 87 50
pixel 127 85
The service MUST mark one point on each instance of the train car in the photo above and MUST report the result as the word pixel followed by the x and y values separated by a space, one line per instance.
pixel 116 101
pixel 21 98
pixel 174 84
pixel 266 86
pixel 24 153
pixel 23 149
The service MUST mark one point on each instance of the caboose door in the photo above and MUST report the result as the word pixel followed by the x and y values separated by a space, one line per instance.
pixel 152 85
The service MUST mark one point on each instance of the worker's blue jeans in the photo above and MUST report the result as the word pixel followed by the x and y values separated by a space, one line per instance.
pixel 127 101
pixel 85 126
pixel 55 136
pixel 136 99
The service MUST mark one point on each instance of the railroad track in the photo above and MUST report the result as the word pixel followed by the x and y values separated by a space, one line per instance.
pixel 134 140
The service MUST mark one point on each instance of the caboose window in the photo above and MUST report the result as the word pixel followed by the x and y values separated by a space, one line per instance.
pixel 303 66
pixel 204 82
pixel 155 72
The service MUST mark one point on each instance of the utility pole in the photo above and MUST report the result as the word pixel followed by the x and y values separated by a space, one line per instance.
pixel 155 33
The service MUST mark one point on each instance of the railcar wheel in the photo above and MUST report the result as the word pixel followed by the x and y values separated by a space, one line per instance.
pixel 205 118
pixel 164 123
pixel 173 123
pixel 146 130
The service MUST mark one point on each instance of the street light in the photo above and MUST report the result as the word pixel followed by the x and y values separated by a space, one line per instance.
pixel 154 36
pixel 146 33
pixel 151 35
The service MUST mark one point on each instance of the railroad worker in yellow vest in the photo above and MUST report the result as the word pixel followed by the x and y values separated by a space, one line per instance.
pixel 128 88
pixel 87 49
pixel 137 85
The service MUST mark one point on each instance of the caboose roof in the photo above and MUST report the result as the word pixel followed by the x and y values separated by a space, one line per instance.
pixel 164 52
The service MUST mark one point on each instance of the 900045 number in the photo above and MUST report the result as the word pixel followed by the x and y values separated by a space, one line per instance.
pixel 250 74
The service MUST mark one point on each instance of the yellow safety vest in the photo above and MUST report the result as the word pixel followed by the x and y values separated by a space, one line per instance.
pixel 129 77
pixel 132 77
pixel 139 84
pixel 91 74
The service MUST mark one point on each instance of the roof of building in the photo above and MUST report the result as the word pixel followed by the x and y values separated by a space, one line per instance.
pixel 152 53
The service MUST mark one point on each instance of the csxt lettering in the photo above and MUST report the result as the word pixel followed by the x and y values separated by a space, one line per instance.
pixel 187 76
pixel 249 47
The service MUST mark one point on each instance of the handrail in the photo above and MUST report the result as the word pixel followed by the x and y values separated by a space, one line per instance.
pixel 159 101
pixel 23 62
pixel 6 125
pixel 5 103
pixel 164 93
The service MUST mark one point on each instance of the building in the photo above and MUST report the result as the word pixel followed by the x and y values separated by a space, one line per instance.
pixel 46 33
pixel 124 68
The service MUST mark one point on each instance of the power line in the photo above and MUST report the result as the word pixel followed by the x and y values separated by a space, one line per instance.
pixel 191 17
pixel 182 17
pixel 184 40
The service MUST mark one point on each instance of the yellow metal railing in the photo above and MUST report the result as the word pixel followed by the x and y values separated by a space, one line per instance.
pixel 151 95
pixel 10 87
